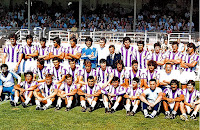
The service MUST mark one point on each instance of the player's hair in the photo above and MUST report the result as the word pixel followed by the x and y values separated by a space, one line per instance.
pixel 120 62
pixel 72 60
pixel 115 79
pixel 29 37
pixel 28 73
pixel 126 39
pixel 43 39
pixel 13 35
pixel 175 43
pixel 153 63
pixel 49 76
pixel 136 79
pixel 4 65
pixel 175 81
pixel 152 80
pixel 68 76
pixel 41 61
pixel 140 42
pixel 102 61
pixel 87 62
pixel 103 39
pixel 73 39
pixel 88 39
pixel 112 46
pixel 191 82
pixel 90 77
pixel 191 45
pixel 134 61
pixel 57 39
pixel 168 63
pixel 157 44
pixel 56 58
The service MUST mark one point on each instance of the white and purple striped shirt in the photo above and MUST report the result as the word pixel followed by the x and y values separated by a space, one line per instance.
pixel 67 89
pixel 13 52
pixel 58 73
pixel 175 56
pixel 130 75
pixel 89 90
pixel 157 57
pixel 86 75
pixel 148 75
pixel 170 94
pixel 74 73
pixel 43 51
pixel 189 59
pixel 57 51
pixel 141 58
pixel 191 97
pixel 41 73
pixel 29 50
pixel 119 91
pixel 73 51
pixel 103 76
pixel 46 91
pixel 134 92
pixel 120 75
pixel 127 56
pixel 26 85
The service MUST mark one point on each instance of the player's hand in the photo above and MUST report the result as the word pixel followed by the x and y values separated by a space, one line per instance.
pixel 151 104
pixel 22 91
pixel 192 105
pixel 89 96
pixel 39 98
pixel 16 68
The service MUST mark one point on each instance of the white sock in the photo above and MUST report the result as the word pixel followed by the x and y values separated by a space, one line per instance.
pixel 167 112
pixel 93 104
pixel 59 101
pixel 49 102
pixel 16 99
pixel 37 102
pixel 174 112
pixel 184 114
pixel 106 104
pixel 83 103
pixel 145 112
pixel 27 100
pixel 154 113
pixel 127 106
pixel 194 113
pixel 69 103
pixel 115 105
pixel 135 108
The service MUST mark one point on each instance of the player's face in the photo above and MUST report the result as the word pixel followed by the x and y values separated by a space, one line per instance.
pixel 135 66
pixel 48 80
pixel 152 85
pixel 112 50
pixel 168 69
pixel 55 44
pixel 72 64
pixel 88 43
pixel 56 63
pixel 174 86
pixel 29 41
pixel 42 43
pixel 119 67
pixel 190 50
pixel 102 43
pixel 103 66
pixel 115 84
pixel 174 47
pixel 134 84
pixel 88 67
pixel 69 80
pixel 28 78
pixel 157 49
pixel 166 42
pixel 4 69
pixel 72 43
pixel 91 82
pixel 190 87
pixel 140 47
pixel 12 41
pixel 127 44
pixel 39 65
pixel 151 67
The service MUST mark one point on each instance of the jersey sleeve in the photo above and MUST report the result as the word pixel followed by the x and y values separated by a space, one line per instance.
pixel 146 92
pixel 5 49
pixel 105 90
pixel 15 75
pixel 121 91
pixel 62 87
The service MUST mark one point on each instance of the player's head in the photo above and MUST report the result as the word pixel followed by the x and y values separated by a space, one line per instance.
pixel 4 68
pixel 43 42
pixel 56 62
pixel 48 79
pixel 115 81
pixel 102 42
pixel 135 82
pixel 157 47
pixel 168 67
pixel 103 64
pixel 191 48
pixel 13 38
pixel 112 49
pixel 29 39
pixel 90 81
pixel 190 85
pixel 88 41
pixel 165 41
pixel 152 83
pixel 135 65
pixel 120 65
pixel 69 79
pixel 126 42
pixel 28 76
pixel 175 46
pixel 88 65
pixel 73 41
pixel 174 84
pixel 72 63
pixel 152 65
pixel 140 45
pixel 56 42
pixel 40 63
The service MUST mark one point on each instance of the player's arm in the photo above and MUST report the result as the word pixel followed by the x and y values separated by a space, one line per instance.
pixel 18 87
pixel 98 93
pixel 4 58
pixel 125 84
pixel 188 104
pixel 81 80
pixel 159 98
pixel 197 102
pixel 71 93
pixel 178 99
pixel 165 98
pixel 183 64
pixel 67 56
pixel 33 54
pixel 52 95
pixel 76 56
pixel 178 61
pixel 109 80
pixel 61 56
pixel 31 88
pixel 36 91
pixel 143 99
pixel 193 64
pixel 162 62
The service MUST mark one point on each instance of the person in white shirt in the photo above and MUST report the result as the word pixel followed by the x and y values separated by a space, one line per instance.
pixel 103 50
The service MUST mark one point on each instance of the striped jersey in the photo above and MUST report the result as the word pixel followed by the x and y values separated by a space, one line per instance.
pixel 85 75
pixel 191 97
pixel 127 56
pixel 41 73
pixel 141 58
pixel 120 75
pixel 74 73
pixel 157 57
pixel 130 75
pixel 170 94
pixel 58 73
pixel 46 91
pixel 29 50
pixel 103 76
pixel 148 75
pixel 67 88
pixel 189 59
pixel 13 52
pixel 175 56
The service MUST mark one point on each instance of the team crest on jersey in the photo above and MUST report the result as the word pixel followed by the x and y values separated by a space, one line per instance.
pixel 33 49
pixel 17 50
pixel 59 72
pixel 51 90
pixel 106 74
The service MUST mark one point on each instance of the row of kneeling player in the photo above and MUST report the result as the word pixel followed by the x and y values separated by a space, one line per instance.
pixel 113 97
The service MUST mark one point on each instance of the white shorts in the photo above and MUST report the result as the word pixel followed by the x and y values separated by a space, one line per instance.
pixel 171 105
pixel 188 109
pixel 186 76
pixel 29 66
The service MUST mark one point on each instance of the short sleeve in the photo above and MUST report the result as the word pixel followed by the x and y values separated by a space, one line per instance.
pixel 165 91
pixel 79 50
pixel 196 58
pixel 127 74
pixel 5 50
pixel 22 83
pixel 146 92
